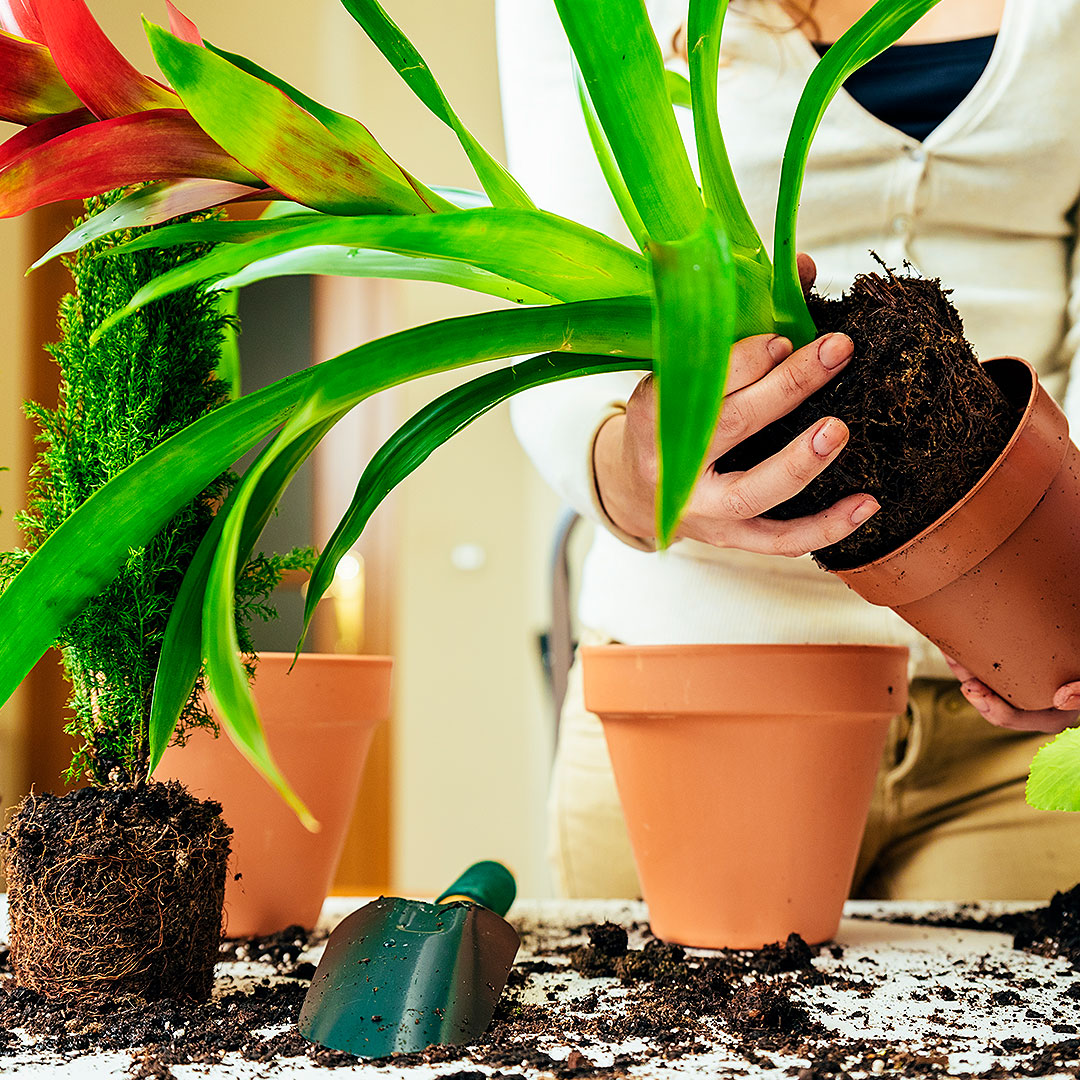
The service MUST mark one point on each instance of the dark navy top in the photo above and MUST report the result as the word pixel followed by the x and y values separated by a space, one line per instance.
pixel 914 87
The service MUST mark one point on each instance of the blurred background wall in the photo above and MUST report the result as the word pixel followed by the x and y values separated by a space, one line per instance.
pixel 457 560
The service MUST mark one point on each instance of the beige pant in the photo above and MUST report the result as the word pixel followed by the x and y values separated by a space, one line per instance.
pixel 948 819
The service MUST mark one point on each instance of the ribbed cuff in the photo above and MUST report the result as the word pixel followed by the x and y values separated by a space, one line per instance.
pixel 639 543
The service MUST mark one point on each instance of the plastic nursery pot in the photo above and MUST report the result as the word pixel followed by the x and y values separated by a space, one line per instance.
pixel 993 582
pixel 319 722
pixel 745 774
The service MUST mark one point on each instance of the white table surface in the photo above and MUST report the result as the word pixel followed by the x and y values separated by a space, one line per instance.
pixel 899 962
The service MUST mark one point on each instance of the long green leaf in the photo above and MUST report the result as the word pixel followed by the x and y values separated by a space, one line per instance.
pixel 703 29
pixel 412 444
pixel 695 327
pixel 280 141
pixel 336 388
pixel 501 187
pixel 349 130
pixel 623 69
pixel 556 256
pixel 83 554
pixel 1054 783
pixel 148 206
pixel 882 25
pixel 181 650
pixel 336 261
pixel 609 167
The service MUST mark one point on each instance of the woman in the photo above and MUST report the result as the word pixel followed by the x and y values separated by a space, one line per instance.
pixel 954 152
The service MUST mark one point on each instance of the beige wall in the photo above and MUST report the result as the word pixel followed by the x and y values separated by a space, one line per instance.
pixel 471 739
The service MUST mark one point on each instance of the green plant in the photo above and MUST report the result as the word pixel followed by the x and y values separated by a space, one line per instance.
pixel 700 279
pixel 122 393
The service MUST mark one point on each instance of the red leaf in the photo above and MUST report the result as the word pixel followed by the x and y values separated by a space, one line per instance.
pixel 30 85
pixel 181 26
pixel 93 67
pixel 163 144
pixel 42 132
pixel 19 17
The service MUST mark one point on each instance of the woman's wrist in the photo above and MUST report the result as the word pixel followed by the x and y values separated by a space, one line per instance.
pixel 614 505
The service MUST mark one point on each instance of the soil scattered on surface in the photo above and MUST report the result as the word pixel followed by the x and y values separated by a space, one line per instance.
pixel 663 1003
pixel 925 420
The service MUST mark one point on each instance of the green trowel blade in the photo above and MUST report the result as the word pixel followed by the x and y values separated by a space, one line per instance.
pixel 401 975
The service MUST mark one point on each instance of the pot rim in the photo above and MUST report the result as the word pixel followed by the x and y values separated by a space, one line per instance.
pixel 949 547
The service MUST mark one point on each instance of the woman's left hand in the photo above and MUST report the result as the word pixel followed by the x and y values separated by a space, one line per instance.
pixel 1000 713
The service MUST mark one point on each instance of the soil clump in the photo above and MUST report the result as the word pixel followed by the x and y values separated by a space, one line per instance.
pixel 116 893
pixel 925 420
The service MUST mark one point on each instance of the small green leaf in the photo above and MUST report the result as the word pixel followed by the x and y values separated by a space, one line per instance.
pixel 1054 782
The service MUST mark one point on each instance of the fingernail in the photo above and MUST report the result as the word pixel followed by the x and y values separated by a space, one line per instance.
pixel 835 350
pixel 1068 701
pixel 974 692
pixel 828 437
pixel 779 348
pixel 867 508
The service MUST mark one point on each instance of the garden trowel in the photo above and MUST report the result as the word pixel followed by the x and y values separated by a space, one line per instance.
pixel 401 975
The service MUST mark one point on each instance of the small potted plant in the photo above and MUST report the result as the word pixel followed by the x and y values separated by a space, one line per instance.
pixel 116 888
pixel 699 279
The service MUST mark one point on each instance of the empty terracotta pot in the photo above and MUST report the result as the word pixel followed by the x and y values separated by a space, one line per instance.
pixel 319 722
pixel 745 774
pixel 994 581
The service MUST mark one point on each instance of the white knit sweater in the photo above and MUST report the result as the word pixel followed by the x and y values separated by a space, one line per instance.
pixel 987 203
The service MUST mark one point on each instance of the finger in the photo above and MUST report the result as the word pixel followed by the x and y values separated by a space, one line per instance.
pixel 962 673
pixel 753 358
pixel 778 392
pixel 807 271
pixel 744 495
pixel 1068 697
pixel 1000 713
pixel 795 537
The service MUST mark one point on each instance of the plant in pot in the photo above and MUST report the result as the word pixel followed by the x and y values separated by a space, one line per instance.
pixel 116 888
pixel 699 279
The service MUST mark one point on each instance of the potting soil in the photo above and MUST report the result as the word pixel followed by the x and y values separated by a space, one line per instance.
pixel 609 1000
pixel 925 420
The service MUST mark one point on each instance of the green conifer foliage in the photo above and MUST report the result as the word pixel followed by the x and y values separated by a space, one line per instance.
pixel 141 382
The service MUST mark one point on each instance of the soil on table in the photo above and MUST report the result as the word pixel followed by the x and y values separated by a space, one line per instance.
pixel 670 1003
pixel 925 420
pixel 116 893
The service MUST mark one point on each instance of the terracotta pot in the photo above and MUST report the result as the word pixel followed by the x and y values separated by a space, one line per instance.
pixel 994 581
pixel 319 722
pixel 745 774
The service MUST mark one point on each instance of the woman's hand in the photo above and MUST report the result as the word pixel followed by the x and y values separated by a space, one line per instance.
pixel 766 381
pixel 1000 713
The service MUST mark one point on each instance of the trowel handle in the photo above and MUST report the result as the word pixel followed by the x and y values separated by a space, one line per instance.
pixel 488 883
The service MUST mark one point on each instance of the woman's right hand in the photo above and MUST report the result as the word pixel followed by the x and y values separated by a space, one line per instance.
pixel 766 381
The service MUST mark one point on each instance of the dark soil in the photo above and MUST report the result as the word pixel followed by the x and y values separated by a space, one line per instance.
pixel 116 893
pixel 925 420
pixel 674 1002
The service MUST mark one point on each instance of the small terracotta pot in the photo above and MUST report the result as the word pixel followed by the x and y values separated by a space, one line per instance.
pixel 745 774
pixel 993 582
pixel 319 722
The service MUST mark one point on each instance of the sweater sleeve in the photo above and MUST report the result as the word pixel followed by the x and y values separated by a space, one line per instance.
pixel 549 152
